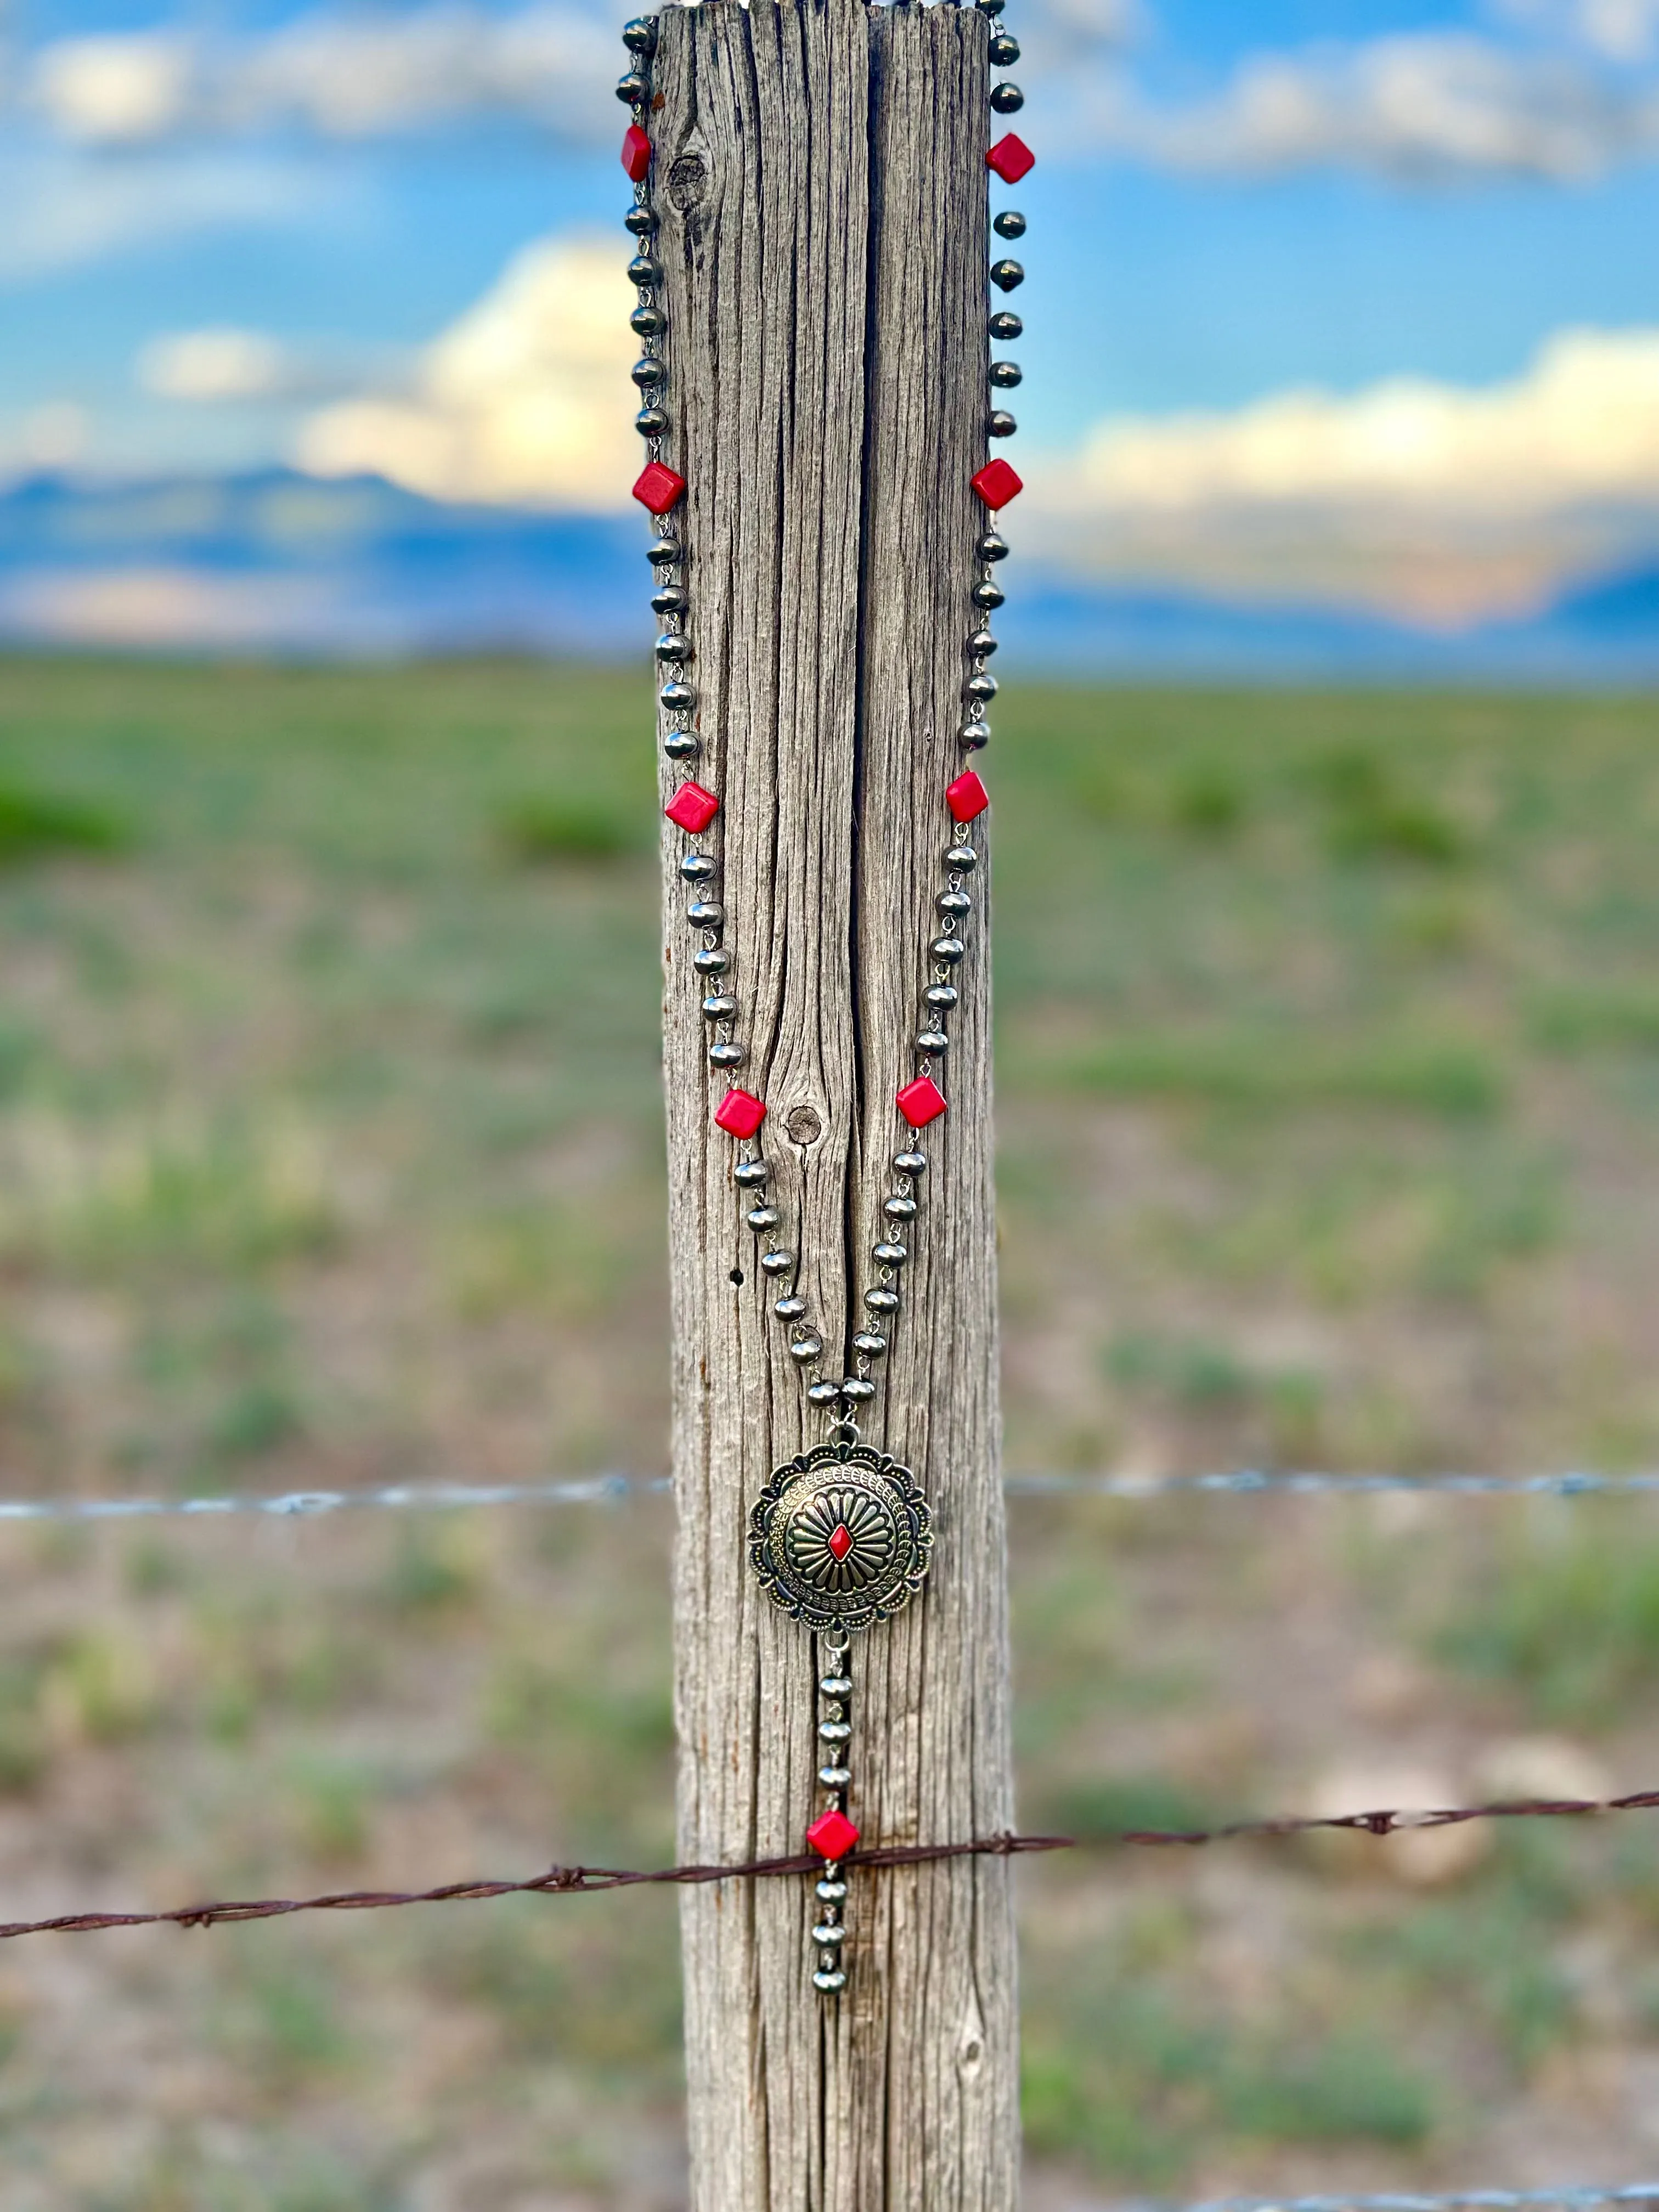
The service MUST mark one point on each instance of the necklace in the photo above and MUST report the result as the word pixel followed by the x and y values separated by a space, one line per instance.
pixel 840 1536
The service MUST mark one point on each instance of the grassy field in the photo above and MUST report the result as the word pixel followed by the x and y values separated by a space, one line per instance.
pixel 330 1153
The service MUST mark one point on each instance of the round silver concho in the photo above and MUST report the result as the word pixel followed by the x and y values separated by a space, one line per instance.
pixel 840 1536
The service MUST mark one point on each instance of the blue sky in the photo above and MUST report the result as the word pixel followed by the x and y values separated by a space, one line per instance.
pixel 1233 204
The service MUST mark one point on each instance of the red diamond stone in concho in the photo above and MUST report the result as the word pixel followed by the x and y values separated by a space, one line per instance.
pixel 967 796
pixel 832 1835
pixel 692 807
pixel 921 1102
pixel 636 153
pixel 740 1113
pixel 841 1539
pixel 659 487
pixel 997 483
pixel 1011 159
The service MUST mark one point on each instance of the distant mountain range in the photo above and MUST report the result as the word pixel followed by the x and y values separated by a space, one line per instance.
pixel 278 562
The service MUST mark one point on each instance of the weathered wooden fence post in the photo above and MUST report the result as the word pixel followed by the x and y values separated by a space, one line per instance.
pixel 821 187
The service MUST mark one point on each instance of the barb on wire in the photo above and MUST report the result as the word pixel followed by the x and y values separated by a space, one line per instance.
pixel 567 1881
pixel 612 1489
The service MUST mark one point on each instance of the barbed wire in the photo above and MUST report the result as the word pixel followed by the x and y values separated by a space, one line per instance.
pixel 562 1880
pixel 613 1489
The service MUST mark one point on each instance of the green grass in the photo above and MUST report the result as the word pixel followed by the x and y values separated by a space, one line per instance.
pixel 330 1153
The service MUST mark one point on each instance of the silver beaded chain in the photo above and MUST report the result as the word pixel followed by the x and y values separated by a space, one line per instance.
pixel 838 1396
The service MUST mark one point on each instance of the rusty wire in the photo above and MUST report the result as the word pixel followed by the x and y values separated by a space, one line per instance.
pixel 562 1880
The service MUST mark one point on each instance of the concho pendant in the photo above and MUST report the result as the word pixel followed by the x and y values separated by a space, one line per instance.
pixel 840 1536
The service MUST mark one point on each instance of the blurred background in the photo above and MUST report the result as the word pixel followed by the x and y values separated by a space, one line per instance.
pixel 1327 783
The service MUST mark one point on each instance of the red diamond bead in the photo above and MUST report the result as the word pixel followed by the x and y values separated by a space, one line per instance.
pixel 1011 159
pixel 660 487
pixel 921 1102
pixel 841 1539
pixel 692 807
pixel 997 483
pixel 967 796
pixel 740 1113
pixel 832 1835
pixel 636 153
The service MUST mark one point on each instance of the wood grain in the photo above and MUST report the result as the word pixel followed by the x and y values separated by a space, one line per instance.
pixel 821 183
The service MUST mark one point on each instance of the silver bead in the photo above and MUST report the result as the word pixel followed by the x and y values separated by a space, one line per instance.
pixel 831 1892
pixel 721 1007
pixel 830 1980
pixel 648 322
pixel 962 859
pixel 1008 98
pixel 981 645
pixel 1011 223
pixel 662 550
pixel 891 1255
pixel 726 1056
pixel 988 595
pixel 836 1685
pixel 975 735
pixel 990 7
pixel 640 219
pixel 697 867
pixel 940 995
pixel 900 1209
pixel 644 271
pixel 806 1348
pixel 933 1042
pixel 760 1218
pixel 829 1934
pixel 1006 324
pixel 681 744
pixel 712 960
pixel 981 686
pixel 999 423
pixel 991 547
pixel 793 1308
pixel 676 696
pixel 835 1777
pixel 857 1387
pixel 673 645
pixel 834 1731
pixel 705 914
pixel 880 1299
pixel 777 1263
pixel 651 370
pixel 824 1394
pixel 1004 50
pixel 630 90
pixel 668 599
pixel 953 903
pixel 652 422
pixel 748 1174
pixel 949 950
pixel 1005 374
pixel 639 34
pixel 1005 275
pixel 910 1162
pixel 872 1345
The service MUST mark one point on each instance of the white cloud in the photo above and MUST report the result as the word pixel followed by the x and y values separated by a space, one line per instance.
pixel 213 364
pixel 1437 499
pixel 1424 104
pixel 1621 30
pixel 523 400
pixel 344 75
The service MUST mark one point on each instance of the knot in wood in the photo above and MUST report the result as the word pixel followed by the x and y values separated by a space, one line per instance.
pixel 804 1125
pixel 688 181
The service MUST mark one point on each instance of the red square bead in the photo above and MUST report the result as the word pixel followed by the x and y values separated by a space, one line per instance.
pixel 967 796
pixel 659 487
pixel 740 1113
pixel 636 153
pixel 832 1835
pixel 921 1102
pixel 997 483
pixel 1011 159
pixel 692 807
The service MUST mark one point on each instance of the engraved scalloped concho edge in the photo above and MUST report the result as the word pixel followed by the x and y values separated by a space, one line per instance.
pixel 791 1491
